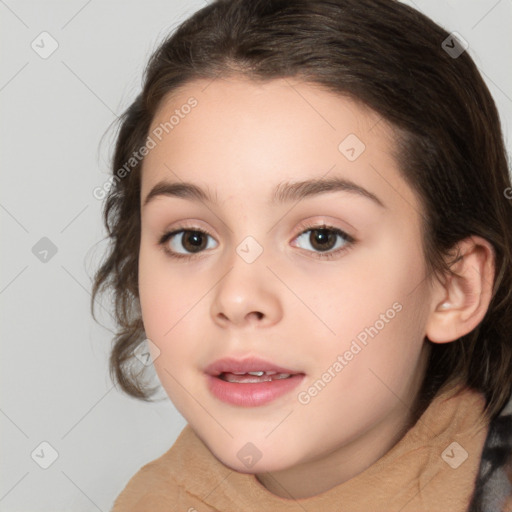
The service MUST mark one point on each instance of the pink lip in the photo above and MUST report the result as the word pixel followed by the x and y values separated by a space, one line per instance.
pixel 249 394
pixel 252 364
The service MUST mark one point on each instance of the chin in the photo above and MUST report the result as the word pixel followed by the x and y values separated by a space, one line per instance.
pixel 255 460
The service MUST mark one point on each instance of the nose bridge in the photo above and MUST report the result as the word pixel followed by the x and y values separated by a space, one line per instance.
pixel 246 291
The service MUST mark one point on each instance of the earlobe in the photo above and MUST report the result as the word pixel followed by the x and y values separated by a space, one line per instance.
pixel 460 303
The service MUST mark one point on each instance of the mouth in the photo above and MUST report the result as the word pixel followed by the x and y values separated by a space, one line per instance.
pixel 253 377
pixel 250 382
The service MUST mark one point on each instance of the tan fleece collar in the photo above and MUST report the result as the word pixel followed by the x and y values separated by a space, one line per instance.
pixel 424 471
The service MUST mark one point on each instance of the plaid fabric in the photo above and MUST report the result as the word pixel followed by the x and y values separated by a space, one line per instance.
pixel 493 490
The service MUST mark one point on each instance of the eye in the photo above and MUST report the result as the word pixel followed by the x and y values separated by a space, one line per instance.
pixel 328 240
pixel 191 240
pixel 325 241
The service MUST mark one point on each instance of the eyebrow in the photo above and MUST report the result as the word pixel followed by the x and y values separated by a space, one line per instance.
pixel 284 192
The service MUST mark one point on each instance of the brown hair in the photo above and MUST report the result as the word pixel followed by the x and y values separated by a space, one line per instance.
pixel 390 57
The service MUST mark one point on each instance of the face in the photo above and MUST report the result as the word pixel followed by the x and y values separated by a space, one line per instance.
pixel 324 283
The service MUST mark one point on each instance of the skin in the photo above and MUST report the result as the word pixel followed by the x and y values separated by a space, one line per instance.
pixel 290 306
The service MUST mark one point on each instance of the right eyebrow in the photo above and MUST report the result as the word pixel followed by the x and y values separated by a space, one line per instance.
pixel 182 189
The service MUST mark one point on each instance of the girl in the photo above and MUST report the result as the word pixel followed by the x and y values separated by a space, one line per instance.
pixel 311 233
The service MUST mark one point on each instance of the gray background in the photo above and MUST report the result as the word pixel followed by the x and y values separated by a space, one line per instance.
pixel 55 111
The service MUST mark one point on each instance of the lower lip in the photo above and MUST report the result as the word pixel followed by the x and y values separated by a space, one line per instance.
pixel 251 394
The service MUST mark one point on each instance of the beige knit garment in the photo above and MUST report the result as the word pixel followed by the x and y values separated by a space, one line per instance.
pixel 422 472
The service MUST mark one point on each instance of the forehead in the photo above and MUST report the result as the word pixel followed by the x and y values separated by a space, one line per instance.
pixel 241 134
pixel 264 106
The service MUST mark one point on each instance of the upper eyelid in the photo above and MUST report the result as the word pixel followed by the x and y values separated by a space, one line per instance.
pixel 323 225
pixel 303 228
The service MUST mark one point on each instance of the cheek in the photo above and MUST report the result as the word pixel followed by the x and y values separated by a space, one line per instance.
pixel 154 297
pixel 168 311
pixel 166 303
pixel 379 300
pixel 368 282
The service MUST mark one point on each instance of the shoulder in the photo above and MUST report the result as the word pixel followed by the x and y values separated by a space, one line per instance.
pixel 493 489
pixel 158 486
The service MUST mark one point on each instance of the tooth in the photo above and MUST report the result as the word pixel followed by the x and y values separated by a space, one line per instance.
pixel 257 377
pixel 256 381
pixel 247 379
pixel 259 373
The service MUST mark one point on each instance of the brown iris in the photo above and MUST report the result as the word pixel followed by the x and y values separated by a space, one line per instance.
pixel 322 239
pixel 194 241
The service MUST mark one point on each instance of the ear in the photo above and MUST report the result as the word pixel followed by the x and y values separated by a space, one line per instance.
pixel 460 302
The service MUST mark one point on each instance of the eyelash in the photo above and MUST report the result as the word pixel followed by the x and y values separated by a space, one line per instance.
pixel 349 241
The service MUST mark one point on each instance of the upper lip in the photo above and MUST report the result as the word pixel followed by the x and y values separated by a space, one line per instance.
pixel 251 364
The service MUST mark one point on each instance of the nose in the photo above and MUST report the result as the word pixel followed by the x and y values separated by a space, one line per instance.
pixel 247 295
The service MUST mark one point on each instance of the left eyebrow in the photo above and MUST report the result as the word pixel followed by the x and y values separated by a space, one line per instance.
pixel 284 192
pixel 301 189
